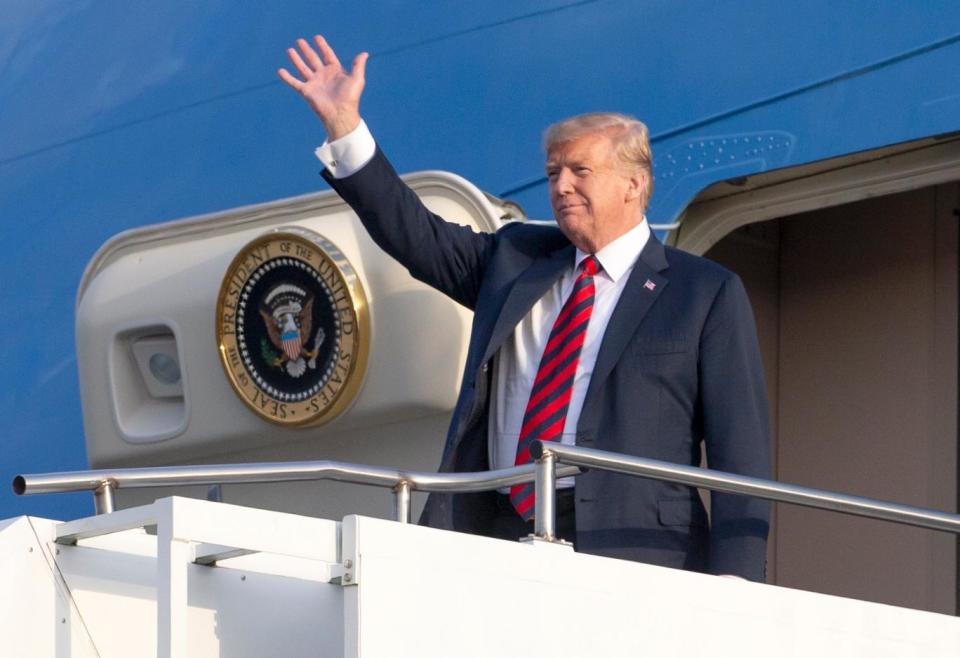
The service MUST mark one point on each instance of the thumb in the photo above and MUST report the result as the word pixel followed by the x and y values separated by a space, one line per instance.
pixel 360 67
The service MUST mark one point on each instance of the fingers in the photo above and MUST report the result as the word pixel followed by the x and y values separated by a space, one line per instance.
pixel 314 64
pixel 305 70
pixel 329 56
pixel 312 58
pixel 360 67
pixel 289 79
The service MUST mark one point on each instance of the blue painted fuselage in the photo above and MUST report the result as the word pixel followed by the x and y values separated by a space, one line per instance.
pixel 115 115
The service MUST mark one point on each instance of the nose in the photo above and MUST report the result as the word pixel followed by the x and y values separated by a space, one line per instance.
pixel 563 182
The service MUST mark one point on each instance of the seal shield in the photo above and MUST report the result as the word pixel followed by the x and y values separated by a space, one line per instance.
pixel 293 328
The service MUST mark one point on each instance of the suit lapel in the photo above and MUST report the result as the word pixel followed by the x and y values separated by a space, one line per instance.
pixel 643 288
pixel 528 288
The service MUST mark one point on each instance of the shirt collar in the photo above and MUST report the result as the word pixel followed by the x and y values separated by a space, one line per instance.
pixel 619 256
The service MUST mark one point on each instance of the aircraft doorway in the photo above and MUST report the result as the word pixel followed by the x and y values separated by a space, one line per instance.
pixel 856 309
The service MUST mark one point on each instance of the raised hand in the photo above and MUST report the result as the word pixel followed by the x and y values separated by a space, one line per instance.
pixel 330 91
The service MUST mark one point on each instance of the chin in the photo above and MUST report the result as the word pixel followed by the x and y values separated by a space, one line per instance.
pixel 579 241
pixel 567 229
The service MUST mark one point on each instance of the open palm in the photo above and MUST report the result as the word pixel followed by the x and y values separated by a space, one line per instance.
pixel 330 91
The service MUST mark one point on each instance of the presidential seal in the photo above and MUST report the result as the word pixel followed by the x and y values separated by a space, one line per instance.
pixel 292 328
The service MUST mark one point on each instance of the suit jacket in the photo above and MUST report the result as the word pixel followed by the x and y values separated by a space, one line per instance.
pixel 678 365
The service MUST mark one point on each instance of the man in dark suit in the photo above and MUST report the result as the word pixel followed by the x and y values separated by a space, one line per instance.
pixel 590 333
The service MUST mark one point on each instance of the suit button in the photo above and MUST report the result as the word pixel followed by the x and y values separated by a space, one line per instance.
pixel 485 367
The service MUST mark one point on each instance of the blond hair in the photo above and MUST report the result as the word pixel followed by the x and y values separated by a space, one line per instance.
pixel 630 138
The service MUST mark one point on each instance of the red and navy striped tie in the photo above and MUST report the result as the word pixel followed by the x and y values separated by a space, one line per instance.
pixel 546 410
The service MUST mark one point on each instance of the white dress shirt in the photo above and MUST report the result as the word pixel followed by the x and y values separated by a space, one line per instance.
pixel 348 154
pixel 518 359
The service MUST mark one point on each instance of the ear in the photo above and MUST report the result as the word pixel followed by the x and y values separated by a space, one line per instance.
pixel 637 184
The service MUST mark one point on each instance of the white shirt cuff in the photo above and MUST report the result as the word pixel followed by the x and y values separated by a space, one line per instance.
pixel 349 154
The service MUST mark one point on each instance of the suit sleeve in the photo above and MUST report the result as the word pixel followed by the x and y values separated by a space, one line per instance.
pixel 446 256
pixel 736 431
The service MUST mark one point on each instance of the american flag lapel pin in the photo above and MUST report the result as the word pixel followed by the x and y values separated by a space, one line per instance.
pixel 650 285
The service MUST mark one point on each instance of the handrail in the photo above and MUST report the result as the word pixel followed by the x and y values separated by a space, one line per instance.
pixel 553 460
pixel 104 482
pixel 550 455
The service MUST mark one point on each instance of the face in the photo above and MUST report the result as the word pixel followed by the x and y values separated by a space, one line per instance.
pixel 594 199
